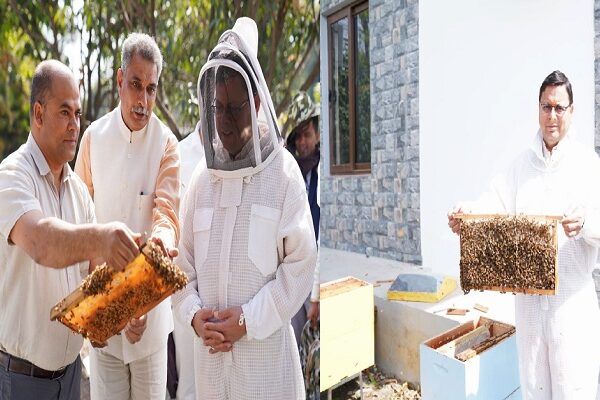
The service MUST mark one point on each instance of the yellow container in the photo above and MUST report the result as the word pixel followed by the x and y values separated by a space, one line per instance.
pixel 347 329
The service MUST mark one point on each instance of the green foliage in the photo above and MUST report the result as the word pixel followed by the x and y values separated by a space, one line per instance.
pixel 28 34
pixel 363 90
pixel 342 85
pixel 32 31
pixel 341 99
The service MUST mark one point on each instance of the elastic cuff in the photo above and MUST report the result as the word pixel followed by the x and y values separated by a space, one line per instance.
pixel 189 307
pixel 250 328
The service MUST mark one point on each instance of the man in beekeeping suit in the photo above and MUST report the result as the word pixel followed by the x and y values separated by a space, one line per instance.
pixel 247 242
pixel 180 377
pixel 557 336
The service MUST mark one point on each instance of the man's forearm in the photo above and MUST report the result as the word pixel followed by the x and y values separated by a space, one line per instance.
pixel 59 244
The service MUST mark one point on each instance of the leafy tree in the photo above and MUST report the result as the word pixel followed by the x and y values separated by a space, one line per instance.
pixel 29 32
pixel 32 31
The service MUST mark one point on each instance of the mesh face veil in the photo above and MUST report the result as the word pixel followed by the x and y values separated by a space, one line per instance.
pixel 238 124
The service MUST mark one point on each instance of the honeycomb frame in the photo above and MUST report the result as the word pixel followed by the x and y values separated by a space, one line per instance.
pixel 509 253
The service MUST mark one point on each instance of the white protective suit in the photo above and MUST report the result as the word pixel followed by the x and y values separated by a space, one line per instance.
pixel 247 240
pixel 192 154
pixel 557 336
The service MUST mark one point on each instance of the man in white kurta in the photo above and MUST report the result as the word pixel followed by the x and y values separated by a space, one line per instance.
pixel 130 163
pixel 247 241
pixel 557 336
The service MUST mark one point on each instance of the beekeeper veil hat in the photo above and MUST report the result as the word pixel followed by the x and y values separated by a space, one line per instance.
pixel 238 122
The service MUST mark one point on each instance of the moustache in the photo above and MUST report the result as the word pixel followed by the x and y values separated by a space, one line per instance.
pixel 140 110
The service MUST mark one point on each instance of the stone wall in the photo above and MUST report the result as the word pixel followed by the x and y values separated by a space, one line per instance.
pixel 379 214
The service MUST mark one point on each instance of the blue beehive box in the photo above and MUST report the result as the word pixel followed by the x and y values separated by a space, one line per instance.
pixel 492 374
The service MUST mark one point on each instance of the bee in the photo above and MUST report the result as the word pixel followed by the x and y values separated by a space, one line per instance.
pixel 507 253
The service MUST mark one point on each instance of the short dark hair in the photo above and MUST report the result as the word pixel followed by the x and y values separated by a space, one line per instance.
pixel 557 78
pixel 313 120
pixel 224 73
pixel 40 85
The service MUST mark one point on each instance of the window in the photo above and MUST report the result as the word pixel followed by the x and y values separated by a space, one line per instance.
pixel 349 90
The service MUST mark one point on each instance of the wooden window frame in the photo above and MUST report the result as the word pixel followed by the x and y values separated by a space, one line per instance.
pixel 352 167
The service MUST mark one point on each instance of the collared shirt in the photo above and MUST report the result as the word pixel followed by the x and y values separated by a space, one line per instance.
pixel 552 157
pixel 28 290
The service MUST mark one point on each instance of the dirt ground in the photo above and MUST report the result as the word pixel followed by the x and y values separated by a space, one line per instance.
pixel 376 386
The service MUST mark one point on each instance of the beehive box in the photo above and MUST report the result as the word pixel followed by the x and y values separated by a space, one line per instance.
pixel 507 253
pixel 347 329
pixel 106 300
pixel 492 372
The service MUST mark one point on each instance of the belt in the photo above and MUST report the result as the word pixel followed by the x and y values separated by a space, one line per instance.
pixel 24 367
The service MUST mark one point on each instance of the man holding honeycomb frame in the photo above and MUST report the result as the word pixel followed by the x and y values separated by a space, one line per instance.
pixel 48 235
pixel 557 336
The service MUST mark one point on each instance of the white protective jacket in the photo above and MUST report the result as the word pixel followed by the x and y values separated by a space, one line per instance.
pixel 557 336
pixel 247 240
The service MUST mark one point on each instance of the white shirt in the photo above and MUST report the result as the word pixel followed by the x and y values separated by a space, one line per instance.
pixel 192 154
pixel 28 290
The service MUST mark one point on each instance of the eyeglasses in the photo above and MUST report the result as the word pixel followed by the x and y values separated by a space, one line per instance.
pixel 234 111
pixel 558 109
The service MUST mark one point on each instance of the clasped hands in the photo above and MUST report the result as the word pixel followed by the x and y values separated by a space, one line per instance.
pixel 219 330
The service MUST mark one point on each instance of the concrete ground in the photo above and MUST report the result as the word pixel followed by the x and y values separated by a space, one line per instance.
pixel 337 264
pixel 416 321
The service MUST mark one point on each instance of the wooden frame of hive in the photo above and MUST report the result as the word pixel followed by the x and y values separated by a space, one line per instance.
pixel 550 220
pixel 461 342
pixel 145 282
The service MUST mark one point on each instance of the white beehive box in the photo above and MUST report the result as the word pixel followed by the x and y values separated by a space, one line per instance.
pixel 347 329
pixel 492 374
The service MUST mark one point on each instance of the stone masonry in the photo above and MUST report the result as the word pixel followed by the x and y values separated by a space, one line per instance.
pixel 596 273
pixel 379 214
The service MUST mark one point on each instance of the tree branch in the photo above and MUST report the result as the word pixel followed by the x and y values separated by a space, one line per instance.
pixel 88 94
pixel 152 19
pixel 276 38
pixel 297 68
pixel 126 18
pixel 168 116
pixel 285 102
pixel 36 37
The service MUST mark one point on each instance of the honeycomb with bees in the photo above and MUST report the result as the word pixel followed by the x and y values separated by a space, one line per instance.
pixel 106 300
pixel 509 253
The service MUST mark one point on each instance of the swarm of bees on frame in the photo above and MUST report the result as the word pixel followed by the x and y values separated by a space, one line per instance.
pixel 106 299
pixel 508 254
